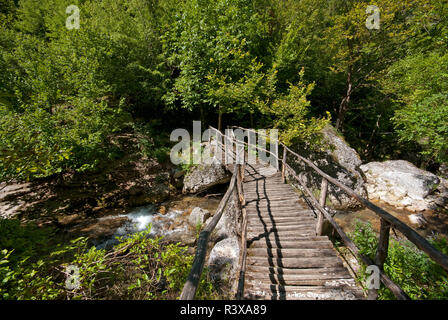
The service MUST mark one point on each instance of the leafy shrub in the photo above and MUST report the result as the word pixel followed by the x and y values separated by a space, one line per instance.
pixel 151 143
pixel 411 269
pixel 138 267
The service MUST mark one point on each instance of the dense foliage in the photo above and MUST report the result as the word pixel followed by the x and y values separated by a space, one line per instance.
pixel 33 266
pixel 407 266
pixel 292 65
pixel 148 66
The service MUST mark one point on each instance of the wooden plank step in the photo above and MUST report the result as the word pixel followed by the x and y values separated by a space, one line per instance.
pixel 286 232
pixel 275 191
pixel 275 201
pixel 283 205
pixel 255 216
pixel 281 229
pixel 295 263
pixel 302 240
pixel 275 236
pixel 269 214
pixel 265 184
pixel 268 223
pixel 295 210
pixel 271 242
pixel 296 297
pixel 279 211
pixel 303 293
pixel 292 281
pixel 309 272
pixel 279 219
pixel 270 197
pixel 257 179
pixel 291 253
pixel 264 197
pixel 266 216
pixel 251 214
pixel 268 189
pixel 340 285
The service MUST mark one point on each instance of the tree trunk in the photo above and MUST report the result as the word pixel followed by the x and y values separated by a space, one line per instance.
pixel 343 107
pixel 220 119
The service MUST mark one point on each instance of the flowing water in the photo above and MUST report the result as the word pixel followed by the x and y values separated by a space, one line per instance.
pixel 434 224
pixel 169 220
pixel 138 220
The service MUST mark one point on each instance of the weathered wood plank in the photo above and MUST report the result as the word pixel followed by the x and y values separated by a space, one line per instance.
pixel 285 253
pixel 272 223
pixel 291 242
pixel 278 271
pixel 313 280
pixel 295 263
pixel 281 228
pixel 341 285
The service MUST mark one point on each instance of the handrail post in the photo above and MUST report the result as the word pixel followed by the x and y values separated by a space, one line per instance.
pixel 381 252
pixel 191 285
pixel 283 165
pixel 241 280
pixel 322 200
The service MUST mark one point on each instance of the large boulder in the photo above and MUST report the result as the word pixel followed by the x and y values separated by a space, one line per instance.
pixel 204 176
pixel 198 216
pixel 224 260
pixel 338 160
pixel 229 225
pixel 401 184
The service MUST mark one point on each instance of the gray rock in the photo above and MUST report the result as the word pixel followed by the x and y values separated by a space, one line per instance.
pixel 401 184
pixel 340 161
pixel 204 176
pixel 224 260
pixel 228 226
pixel 198 216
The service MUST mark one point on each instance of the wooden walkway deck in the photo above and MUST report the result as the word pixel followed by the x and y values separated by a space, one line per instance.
pixel 285 258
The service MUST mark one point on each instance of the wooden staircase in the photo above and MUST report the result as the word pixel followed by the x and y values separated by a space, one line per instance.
pixel 285 258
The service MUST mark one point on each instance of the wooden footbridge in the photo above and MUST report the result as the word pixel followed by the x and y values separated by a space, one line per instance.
pixel 283 252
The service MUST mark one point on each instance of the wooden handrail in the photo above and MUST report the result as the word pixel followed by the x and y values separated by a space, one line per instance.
pixel 387 221
pixel 397 291
pixel 409 233
pixel 240 290
pixel 191 286
pixel 260 148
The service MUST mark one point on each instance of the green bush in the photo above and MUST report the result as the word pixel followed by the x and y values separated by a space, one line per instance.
pixel 419 276
pixel 151 143
pixel 138 267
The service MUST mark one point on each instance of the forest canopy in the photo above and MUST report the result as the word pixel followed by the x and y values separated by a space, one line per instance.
pixel 295 65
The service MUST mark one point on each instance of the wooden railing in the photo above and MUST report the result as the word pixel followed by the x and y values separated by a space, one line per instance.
pixel 191 286
pixel 387 221
pixel 236 182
